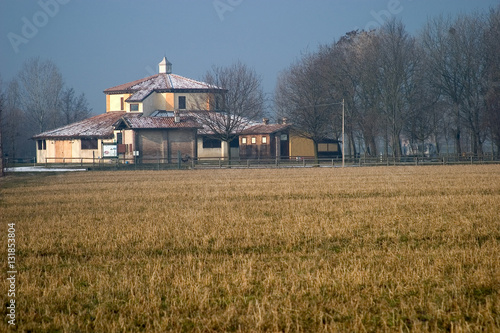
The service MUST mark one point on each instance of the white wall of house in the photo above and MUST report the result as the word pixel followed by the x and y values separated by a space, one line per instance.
pixel 216 152
pixel 67 151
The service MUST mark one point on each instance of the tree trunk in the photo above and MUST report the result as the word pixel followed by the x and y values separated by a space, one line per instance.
pixel 458 147
pixel 228 147
pixel 316 161
pixel 352 144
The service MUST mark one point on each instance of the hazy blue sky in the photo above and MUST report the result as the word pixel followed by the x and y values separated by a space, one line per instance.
pixel 98 44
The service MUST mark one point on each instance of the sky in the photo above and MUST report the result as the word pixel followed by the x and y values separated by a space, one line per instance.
pixel 98 44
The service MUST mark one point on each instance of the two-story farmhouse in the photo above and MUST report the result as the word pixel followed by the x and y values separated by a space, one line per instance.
pixel 151 118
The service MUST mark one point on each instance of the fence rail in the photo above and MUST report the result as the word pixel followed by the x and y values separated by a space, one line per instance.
pixel 215 163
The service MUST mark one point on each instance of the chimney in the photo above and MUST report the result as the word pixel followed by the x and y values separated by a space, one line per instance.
pixel 265 121
pixel 177 117
pixel 284 120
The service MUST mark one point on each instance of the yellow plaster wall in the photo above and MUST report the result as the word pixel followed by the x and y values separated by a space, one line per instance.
pixel 194 101
pixel 169 101
pixel 72 155
pixel 301 146
pixel 115 104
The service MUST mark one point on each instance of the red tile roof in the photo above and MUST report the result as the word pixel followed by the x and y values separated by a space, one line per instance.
pixel 160 122
pixel 103 125
pixel 100 126
pixel 266 129
pixel 142 88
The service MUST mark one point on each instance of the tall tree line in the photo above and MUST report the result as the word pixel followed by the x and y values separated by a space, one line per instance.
pixel 402 92
pixel 37 100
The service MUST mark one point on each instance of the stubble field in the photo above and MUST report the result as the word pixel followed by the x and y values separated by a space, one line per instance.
pixel 355 249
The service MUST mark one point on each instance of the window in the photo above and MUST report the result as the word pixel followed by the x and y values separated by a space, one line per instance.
pixel 235 143
pixel 42 145
pixel 243 141
pixel 121 104
pixel 254 140
pixel 211 143
pixel 264 140
pixel 134 107
pixel 89 144
pixel 182 102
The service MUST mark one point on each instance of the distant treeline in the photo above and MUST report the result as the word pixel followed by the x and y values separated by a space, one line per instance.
pixel 402 91
pixel 36 100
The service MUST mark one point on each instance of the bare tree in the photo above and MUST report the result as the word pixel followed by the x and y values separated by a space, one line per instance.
pixel 456 55
pixel 398 69
pixel 303 97
pixel 238 99
pixel 73 108
pixel 14 123
pixel 41 86
pixel 361 63
pixel 341 81
pixel 492 51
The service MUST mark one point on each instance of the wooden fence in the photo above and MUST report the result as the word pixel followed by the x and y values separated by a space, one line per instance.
pixel 215 163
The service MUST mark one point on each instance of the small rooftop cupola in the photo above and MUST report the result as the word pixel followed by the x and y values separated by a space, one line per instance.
pixel 165 66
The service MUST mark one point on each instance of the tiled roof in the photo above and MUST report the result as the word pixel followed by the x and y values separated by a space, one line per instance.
pixel 100 126
pixel 217 119
pixel 265 129
pixel 160 122
pixel 142 88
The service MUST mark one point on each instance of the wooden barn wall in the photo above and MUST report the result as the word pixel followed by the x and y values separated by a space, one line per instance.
pixel 183 141
pixel 164 144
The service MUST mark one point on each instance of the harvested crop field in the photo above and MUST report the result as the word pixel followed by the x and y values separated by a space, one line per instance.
pixel 355 249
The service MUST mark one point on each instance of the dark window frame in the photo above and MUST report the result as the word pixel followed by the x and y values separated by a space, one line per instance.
pixel 42 144
pixel 89 144
pixel 134 106
pixel 209 143
pixel 182 102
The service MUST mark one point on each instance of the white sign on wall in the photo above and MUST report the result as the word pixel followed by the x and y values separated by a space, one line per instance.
pixel 109 150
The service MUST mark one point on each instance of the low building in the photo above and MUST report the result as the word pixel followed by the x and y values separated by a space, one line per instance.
pixel 283 141
pixel 265 141
pixel 301 147
pixel 85 139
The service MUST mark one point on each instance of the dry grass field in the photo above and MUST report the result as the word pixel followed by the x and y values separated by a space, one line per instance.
pixel 348 250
